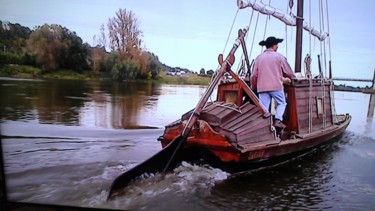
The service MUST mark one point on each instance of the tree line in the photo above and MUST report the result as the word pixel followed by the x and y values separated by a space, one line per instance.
pixel 118 52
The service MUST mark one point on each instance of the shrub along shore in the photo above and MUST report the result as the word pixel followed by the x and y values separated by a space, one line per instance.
pixel 24 71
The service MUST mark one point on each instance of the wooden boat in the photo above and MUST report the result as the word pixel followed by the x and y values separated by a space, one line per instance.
pixel 238 132
pixel 235 130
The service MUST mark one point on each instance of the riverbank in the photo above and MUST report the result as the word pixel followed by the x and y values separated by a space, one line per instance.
pixel 185 79
pixel 29 72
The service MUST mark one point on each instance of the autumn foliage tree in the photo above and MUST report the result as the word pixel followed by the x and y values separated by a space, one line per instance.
pixel 128 60
pixel 98 52
pixel 124 34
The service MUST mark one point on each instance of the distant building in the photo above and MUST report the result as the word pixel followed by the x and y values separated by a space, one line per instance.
pixel 170 73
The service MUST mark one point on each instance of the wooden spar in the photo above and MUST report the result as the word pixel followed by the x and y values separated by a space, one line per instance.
pixel 250 93
pixel 320 67
pixel 299 25
pixel 202 102
pixel 330 69
pixel 243 44
pixel 243 85
pixel 223 68
pixel 371 104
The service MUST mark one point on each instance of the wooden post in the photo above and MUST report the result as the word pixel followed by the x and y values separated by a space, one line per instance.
pixel 299 31
pixel 330 69
pixel 371 104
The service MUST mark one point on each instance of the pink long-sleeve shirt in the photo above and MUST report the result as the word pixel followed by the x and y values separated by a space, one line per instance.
pixel 269 69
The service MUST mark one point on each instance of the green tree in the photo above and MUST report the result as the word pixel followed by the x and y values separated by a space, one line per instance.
pixel 154 65
pixel 97 56
pixel 13 37
pixel 120 69
pixel 76 53
pixel 45 43
pixel 57 47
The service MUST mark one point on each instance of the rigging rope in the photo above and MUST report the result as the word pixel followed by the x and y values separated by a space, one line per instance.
pixel 288 10
pixel 255 29
pixel 309 73
pixel 330 58
pixel 329 37
pixel 226 43
pixel 310 36
pixel 321 19
pixel 230 31
pixel 252 45
pixel 268 17
pixel 225 46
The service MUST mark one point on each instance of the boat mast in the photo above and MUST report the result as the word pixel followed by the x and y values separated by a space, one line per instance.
pixel 299 25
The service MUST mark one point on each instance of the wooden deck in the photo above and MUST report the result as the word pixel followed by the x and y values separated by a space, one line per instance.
pixel 242 126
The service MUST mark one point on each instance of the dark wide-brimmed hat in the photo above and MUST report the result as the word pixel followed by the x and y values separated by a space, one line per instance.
pixel 270 41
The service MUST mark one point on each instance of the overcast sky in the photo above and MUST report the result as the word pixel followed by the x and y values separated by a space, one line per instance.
pixel 191 33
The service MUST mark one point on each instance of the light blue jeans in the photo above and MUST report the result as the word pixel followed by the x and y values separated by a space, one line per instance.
pixel 265 99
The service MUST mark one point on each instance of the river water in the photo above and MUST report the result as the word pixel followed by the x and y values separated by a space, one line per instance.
pixel 65 141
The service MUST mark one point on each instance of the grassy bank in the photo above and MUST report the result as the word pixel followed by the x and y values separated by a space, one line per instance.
pixel 187 79
pixel 20 71
pixel 23 71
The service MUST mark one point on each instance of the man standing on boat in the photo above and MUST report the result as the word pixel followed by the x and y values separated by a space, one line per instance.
pixel 267 77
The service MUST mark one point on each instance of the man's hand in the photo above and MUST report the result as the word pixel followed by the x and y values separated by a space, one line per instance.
pixel 286 80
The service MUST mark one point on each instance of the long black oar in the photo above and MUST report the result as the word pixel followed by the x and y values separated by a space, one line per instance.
pixel 168 157
pixel 156 163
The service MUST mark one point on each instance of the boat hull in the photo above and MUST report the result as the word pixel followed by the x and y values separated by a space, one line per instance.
pixel 213 148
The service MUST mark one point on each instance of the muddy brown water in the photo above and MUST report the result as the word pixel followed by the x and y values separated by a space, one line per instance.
pixel 65 141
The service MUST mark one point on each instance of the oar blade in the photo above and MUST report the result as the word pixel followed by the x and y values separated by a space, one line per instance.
pixel 156 163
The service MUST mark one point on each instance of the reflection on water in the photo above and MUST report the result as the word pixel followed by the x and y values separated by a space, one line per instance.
pixel 105 104
pixel 65 141
pixel 357 105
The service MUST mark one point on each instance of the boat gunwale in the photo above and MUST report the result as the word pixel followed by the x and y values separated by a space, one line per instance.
pixel 304 138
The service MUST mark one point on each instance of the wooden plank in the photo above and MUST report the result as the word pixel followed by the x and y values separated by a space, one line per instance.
pixel 228 134
pixel 212 106
pixel 244 120
pixel 255 125
pixel 261 135
pixel 305 108
pixel 210 119
pixel 305 103
pixel 226 111
pixel 244 109
pixel 313 129
pixel 251 146
pixel 291 110
pixel 246 124
pixel 214 113
pixel 305 83
pixel 232 115
pixel 187 115
pixel 317 123
pixel 305 124
pixel 305 115
pixel 240 117
pixel 305 95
